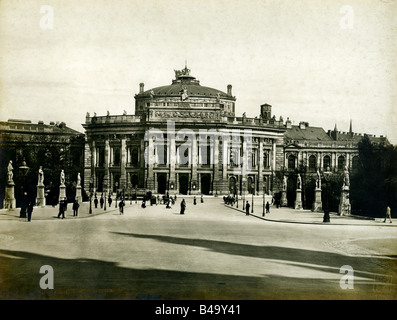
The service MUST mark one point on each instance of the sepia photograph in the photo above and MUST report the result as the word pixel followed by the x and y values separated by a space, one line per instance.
pixel 208 151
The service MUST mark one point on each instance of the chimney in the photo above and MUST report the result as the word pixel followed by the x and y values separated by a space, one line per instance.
pixel 141 87
pixel 288 123
pixel 229 90
pixel 302 125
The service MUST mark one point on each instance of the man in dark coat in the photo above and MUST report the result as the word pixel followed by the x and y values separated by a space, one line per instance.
pixel 267 207
pixel 30 210
pixel 102 202
pixel 183 206
pixel 96 202
pixel 75 208
pixel 247 209
pixel 61 209
pixel 121 206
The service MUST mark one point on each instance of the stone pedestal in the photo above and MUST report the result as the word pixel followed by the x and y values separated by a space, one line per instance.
pixel 317 204
pixel 344 204
pixel 298 201
pixel 283 200
pixel 62 192
pixel 40 198
pixel 9 199
pixel 79 198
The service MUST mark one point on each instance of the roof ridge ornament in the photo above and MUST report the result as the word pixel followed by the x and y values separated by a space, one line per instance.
pixel 183 72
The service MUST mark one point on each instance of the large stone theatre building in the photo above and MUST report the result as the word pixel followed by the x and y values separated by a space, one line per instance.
pixel 185 138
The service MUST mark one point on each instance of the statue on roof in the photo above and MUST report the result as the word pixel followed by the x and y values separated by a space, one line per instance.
pixel 184 94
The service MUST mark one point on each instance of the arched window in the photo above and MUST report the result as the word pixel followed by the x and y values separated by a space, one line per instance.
pixel 291 161
pixel 327 163
pixel 341 163
pixel 265 160
pixel 312 163
pixel 134 156
pixel 116 156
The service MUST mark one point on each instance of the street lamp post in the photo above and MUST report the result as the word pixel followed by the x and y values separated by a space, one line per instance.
pixel 253 191
pixel 263 202
pixel 243 193
pixel 24 171
pixel 105 186
pixel 130 187
pixel 237 196
pixel 116 184
pixel 327 176
pixel 91 185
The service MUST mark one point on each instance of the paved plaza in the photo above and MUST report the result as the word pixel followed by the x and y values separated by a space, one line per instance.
pixel 214 251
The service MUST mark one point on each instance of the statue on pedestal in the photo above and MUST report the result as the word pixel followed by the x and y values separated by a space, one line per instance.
pixel 346 179
pixel 78 179
pixel 318 181
pixel 41 176
pixel 285 183
pixel 299 182
pixel 62 178
pixel 9 172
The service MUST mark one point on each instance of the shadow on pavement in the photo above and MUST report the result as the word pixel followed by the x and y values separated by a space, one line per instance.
pixel 96 279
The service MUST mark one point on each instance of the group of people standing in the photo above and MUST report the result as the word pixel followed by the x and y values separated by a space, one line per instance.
pixel 63 208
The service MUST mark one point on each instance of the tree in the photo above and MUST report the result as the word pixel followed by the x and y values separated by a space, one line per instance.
pixel 374 184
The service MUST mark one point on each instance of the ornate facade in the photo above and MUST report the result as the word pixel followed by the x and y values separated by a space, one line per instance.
pixel 186 138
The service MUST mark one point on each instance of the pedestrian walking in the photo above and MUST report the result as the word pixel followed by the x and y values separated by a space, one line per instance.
pixel 247 209
pixel 168 204
pixel 388 214
pixel 110 200
pixel 121 206
pixel 183 206
pixel 202 199
pixel 30 210
pixel 194 200
pixel 267 207
pixel 75 208
pixel 102 201
pixel 96 202
pixel 61 209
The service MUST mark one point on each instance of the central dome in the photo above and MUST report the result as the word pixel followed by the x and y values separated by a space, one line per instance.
pixel 184 92
pixel 184 82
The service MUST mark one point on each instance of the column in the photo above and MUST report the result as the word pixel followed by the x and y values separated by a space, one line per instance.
pixel 194 159
pixel 107 160
pixel 260 166
pixel 274 156
pixel 216 165
pixel 123 161
pixel 333 161
pixel 149 165
pixel 225 157
pixel 172 159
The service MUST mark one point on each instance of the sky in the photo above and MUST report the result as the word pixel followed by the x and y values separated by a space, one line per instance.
pixel 323 62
